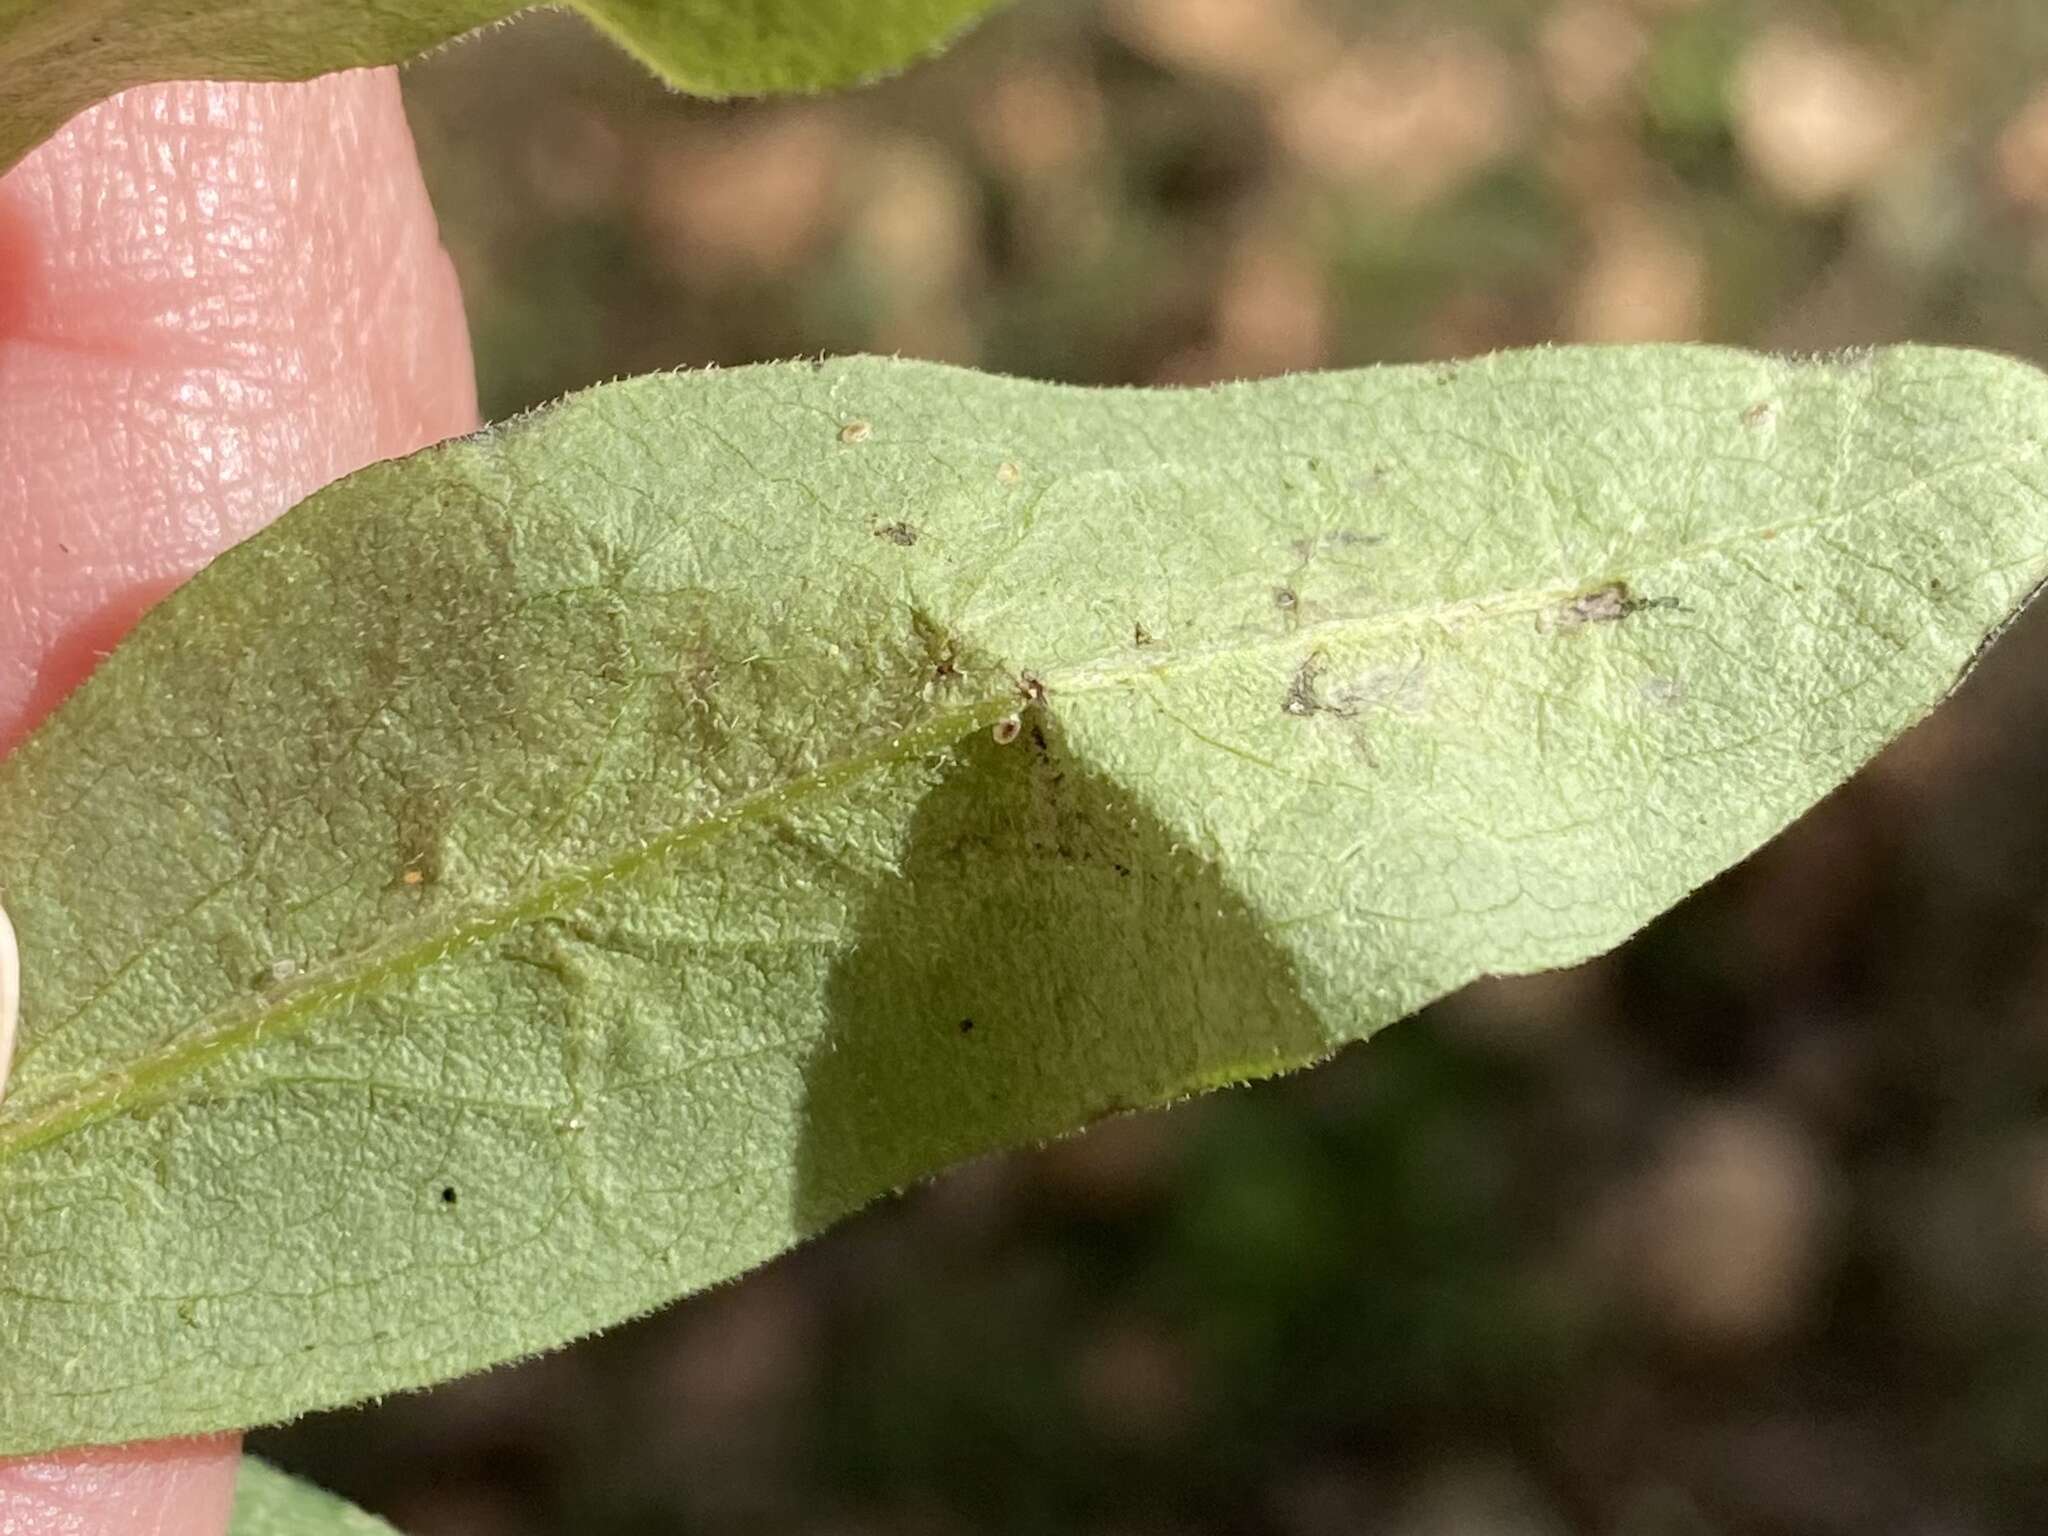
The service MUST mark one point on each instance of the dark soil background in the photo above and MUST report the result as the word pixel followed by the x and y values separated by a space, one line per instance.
pixel 1741 1229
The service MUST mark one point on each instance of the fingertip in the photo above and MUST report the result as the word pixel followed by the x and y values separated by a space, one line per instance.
pixel 166 1488
pixel 214 299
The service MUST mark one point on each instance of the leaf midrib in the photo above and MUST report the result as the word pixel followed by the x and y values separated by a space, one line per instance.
pixel 142 1081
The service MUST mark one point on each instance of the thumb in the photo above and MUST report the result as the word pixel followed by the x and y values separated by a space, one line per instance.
pixel 214 299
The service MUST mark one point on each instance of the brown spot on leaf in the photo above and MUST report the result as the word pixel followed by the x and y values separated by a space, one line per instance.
pixel 901 534
pixel 1007 730
pixel 1401 689
pixel 422 823
pixel 1603 605
pixel 1140 635
pixel 1303 700
pixel 1606 605
pixel 1008 472
pixel 940 650
pixel 856 432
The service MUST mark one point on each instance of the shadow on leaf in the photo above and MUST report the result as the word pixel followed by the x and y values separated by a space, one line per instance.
pixel 1048 954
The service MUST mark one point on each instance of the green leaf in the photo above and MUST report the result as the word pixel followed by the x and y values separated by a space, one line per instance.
pixel 273 1503
pixel 559 871
pixel 60 56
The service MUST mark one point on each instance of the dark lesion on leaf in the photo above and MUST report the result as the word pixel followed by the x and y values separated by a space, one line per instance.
pixel 1030 693
pixel 1400 690
pixel 422 820
pixel 903 535
pixel 1608 604
pixel 1304 690
pixel 940 649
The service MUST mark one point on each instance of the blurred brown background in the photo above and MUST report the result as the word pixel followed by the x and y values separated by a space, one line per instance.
pixel 1742 1229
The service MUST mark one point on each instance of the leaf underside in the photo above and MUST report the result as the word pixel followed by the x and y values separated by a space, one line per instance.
pixel 60 56
pixel 560 870
pixel 273 1503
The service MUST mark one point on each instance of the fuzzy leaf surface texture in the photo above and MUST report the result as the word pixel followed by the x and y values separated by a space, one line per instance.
pixel 558 871
pixel 60 56
pixel 273 1503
